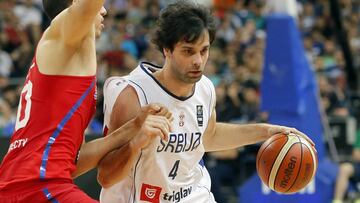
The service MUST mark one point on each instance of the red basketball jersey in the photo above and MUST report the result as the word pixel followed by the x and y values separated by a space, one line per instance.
pixel 52 116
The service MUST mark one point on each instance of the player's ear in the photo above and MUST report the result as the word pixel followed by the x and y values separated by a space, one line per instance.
pixel 167 52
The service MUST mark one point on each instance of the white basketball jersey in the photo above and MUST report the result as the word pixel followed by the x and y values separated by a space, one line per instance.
pixel 167 171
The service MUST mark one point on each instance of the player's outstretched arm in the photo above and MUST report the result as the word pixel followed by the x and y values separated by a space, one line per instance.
pixel 145 127
pixel 128 95
pixel 92 152
pixel 74 23
pixel 223 136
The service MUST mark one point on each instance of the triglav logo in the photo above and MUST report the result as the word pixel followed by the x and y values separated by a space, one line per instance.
pixel 176 196
pixel 150 193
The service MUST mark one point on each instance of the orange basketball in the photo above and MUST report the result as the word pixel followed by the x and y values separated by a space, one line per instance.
pixel 286 163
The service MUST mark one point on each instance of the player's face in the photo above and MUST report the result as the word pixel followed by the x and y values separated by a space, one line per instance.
pixel 187 60
pixel 99 22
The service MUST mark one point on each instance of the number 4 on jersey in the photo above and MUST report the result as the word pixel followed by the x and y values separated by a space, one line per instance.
pixel 173 172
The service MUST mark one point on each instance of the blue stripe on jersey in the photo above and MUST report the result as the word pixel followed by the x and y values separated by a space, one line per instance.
pixel 201 162
pixel 210 107
pixel 134 184
pixel 141 90
pixel 59 129
pixel 49 196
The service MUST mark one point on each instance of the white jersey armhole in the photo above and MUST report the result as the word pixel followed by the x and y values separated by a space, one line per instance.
pixel 140 93
pixel 113 86
pixel 212 94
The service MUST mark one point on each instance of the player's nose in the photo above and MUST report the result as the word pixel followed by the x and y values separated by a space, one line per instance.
pixel 197 60
pixel 103 11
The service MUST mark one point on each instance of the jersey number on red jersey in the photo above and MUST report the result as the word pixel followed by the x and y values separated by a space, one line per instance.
pixel 23 113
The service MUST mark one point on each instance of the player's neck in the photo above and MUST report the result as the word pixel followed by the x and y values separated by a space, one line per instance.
pixel 174 85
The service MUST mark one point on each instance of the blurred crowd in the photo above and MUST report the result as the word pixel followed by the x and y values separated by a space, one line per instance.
pixel 235 62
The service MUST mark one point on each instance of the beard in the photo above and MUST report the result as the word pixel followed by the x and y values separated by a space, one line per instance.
pixel 187 78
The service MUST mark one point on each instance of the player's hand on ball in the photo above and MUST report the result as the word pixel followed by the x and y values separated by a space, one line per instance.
pixel 276 129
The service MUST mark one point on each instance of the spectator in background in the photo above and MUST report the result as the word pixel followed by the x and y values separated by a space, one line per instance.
pixel 6 62
pixel 6 118
pixel 152 15
pixel 308 17
pixel 22 55
pixel 116 6
pixel 348 172
pixel 30 18
pixel 284 7
pixel 333 99
pixel 222 6
pixel 212 73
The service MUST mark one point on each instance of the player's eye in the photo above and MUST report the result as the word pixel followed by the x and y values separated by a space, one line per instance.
pixel 204 51
pixel 187 52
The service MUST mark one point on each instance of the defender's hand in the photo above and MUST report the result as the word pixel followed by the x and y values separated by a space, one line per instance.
pixel 153 126
pixel 153 120
pixel 153 109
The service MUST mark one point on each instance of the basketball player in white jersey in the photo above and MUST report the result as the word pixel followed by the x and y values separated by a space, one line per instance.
pixel 171 170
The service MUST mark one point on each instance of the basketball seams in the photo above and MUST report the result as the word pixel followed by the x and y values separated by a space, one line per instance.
pixel 301 160
pixel 284 150
pixel 313 156
pixel 267 145
pixel 277 171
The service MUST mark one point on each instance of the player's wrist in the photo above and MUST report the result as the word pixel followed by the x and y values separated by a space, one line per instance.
pixel 266 130
pixel 134 146
pixel 138 121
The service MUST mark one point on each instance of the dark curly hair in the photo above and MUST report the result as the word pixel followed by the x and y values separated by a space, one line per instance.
pixel 183 21
pixel 52 8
